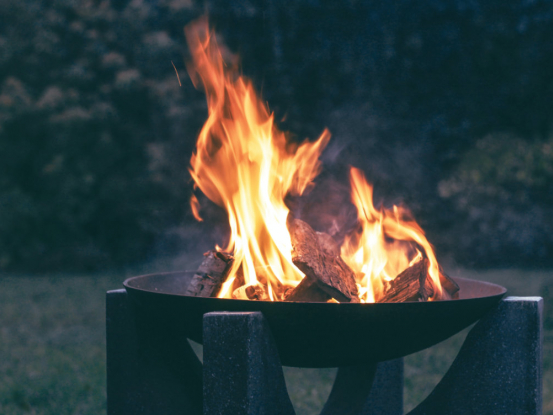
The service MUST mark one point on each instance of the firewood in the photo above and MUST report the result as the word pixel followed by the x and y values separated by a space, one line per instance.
pixel 450 286
pixel 328 273
pixel 409 285
pixel 328 244
pixel 210 275
pixel 306 291
pixel 449 291
pixel 250 292
pixel 415 284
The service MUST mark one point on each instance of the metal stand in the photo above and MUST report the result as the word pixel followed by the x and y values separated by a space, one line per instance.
pixel 142 378
pixel 499 368
pixel 497 371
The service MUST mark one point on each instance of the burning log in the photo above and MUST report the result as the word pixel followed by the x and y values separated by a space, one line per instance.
pixel 250 292
pixel 210 275
pixel 328 244
pixel 409 285
pixel 449 286
pixel 415 284
pixel 450 289
pixel 322 265
pixel 307 291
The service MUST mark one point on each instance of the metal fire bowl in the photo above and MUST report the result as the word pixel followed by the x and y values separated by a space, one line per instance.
pixel 320 334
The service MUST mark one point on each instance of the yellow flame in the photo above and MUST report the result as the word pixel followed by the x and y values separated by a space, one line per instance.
pixel 388 242
pixel 245 164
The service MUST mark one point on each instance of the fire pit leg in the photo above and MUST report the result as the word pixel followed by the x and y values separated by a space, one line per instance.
pixel 350 390
pixel 373 389
pixel 138 378
pixel 498 369
pixel 243 374
pixel 242 370
pixel 386 396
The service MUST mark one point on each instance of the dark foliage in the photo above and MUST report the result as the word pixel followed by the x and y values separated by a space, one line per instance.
pixel 95 134
pixel 502 191
pixel 90 110
pixel 409 89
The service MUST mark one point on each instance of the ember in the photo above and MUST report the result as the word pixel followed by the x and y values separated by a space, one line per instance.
pixel 246 165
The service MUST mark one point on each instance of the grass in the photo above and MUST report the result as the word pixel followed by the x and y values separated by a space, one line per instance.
pixel 52 346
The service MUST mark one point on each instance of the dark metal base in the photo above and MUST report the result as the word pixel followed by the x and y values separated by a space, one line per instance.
pixel 321 334
pixel 497 371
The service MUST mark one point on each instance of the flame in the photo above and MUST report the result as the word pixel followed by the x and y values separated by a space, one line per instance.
pixel 245 164
pixel 195 205
pixel 388 242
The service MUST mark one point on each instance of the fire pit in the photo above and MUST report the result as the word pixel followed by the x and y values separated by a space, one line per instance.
pixel 322 334
pixel 151 368
pixel 280 292
pixel 247 166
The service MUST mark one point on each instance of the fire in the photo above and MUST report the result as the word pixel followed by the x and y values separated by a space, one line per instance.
pixel 388 242
pixel 245 164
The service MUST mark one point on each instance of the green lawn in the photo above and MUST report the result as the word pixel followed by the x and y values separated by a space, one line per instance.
pixel 52 357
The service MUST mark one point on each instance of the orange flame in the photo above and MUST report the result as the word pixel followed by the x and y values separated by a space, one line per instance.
pixel 195 205
pixel 245 164
pixel 389 241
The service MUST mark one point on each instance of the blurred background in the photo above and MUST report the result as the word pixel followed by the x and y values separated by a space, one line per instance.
pixel 445 104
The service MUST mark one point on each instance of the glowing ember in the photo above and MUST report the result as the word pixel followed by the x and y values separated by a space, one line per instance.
pixel 246 165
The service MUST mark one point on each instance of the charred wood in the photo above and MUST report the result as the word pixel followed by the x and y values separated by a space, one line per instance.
pixel 449 291
pixel 415 284
pixel 307 291
pixel 323 270
pixel 409 285
pixel 449 286
pixel 210 275
pixel 250 292
pixel 327 243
